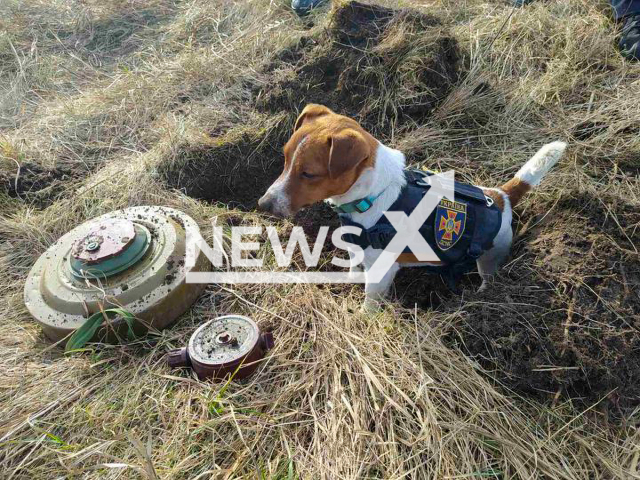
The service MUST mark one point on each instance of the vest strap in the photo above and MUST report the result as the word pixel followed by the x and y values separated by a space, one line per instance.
pixel 482 224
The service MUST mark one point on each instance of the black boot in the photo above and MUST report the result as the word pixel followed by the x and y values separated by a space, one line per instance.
pixel 302 7
pixel 630 37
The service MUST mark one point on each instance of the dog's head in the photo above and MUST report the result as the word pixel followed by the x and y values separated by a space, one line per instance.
pixel 323 158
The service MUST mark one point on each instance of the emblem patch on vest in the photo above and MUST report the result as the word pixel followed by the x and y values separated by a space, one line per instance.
pixel 451 218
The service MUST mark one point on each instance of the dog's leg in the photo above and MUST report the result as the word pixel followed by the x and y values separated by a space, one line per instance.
pixel 354 270
pixel 377 292
pixel 491 260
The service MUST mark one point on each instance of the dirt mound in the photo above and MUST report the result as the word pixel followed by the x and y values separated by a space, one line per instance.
pixel 378 65
pixel 35 184
pixel 565 317
pixel 383 67
pixel 235 168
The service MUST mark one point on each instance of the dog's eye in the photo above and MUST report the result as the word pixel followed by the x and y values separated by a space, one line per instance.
pixel 308 175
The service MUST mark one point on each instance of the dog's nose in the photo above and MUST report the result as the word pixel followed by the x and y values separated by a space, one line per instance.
pixel 265 203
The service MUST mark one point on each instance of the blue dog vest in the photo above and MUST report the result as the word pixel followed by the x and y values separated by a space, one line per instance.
pixel 458 232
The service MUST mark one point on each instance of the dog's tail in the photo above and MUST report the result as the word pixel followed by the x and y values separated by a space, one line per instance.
pixel 533 171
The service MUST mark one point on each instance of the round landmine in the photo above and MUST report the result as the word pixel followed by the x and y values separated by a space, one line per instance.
pixel 132 259
pixel 228 345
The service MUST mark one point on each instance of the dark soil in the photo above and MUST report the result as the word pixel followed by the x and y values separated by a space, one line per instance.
pixel 378 65
pixel 416 287
pixel 35 184
pixel 236 173
pixel 565 314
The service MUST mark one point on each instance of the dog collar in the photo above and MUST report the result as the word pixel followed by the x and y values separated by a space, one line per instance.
pixel 361 205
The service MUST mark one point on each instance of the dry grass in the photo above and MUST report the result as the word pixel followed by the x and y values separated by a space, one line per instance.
pixel 100 100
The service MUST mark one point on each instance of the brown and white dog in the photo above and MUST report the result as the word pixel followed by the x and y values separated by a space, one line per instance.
pixel 331 157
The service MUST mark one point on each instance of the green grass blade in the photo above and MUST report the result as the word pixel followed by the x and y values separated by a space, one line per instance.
pixel 84 333
pixel 87 330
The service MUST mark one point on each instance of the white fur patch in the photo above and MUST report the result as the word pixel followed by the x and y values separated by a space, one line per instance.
pixel 535 169
pixel 386 177
pixel 297 150
pixel 277 191
pixel 281 201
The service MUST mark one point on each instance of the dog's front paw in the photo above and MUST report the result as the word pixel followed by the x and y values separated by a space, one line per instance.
pixel 355 273
pixel 370 305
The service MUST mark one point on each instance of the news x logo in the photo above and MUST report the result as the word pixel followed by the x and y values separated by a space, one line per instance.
pixel 235 265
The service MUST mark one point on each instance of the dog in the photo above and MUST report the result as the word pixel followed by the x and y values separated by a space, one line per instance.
pixel 330 157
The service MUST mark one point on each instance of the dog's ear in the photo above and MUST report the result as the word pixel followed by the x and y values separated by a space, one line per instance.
pixel 310 112
pixel 347 149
